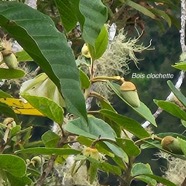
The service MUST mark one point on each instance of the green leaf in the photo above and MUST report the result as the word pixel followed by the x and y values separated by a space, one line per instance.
pixel 171 108
pixel 180 66
pixel 85 82
pixel 23 56
pixel 160 179
pixel 13 165
pixel 48 151
pixel 118 151
pixel 140 168
pixel 84 141
pixel 183 122
pixel 50 139
pixel 177 93
pixel 95 128
pixel 42 86
pixel 140 8
pixel 101 146
pixel 106 167
pixel 95 15
pixel 46 106
pixel 104 104
pixel 110 168
pixel 142 110
pixel 19 181
pixel 11 73
pixel 182 145
pixel 100 44
pixel 67 13
pixel 48 47
pixel 4 94
pixel 5 109
pixel 162 14
pixel 15 130
pixel 129 147
pixel 126 123
pixel 138 171
pixel 92 172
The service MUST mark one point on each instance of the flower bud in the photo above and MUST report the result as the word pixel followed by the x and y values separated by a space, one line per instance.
pixel 91 152
pixel 85 51
pixel 36 161
pixel 129 93
pixel 171 144
pixel 10 60
pixel 9 122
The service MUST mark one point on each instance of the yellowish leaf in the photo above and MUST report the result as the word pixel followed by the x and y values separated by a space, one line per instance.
pixel 20 107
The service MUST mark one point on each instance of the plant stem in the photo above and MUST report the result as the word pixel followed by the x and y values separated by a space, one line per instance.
pixel 101 139
pixel 126 178
pixel 138 142
pixel 97 95
pixel 104 78
pixel 50 163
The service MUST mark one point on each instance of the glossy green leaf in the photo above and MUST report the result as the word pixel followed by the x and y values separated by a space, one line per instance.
pixel 95 128
pixel 48 151
pixel 126 123
pixel 171 108
pixel 142 110
pixel 160 180
pixel 129 147
pixel 11 73
pixel 140 8
pixel 12 164
pixel 19 181
pixel 23 56
pixel 180 66
pixel 4 94
pixel 85 82
pixel 67 13
pixel 46 106
pixel 50 139
pixel 95 15
pixel 100 44
pixel 138 171
pixel 5 109
pixel 177 93
pixel 48 47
